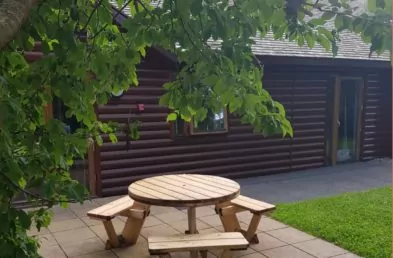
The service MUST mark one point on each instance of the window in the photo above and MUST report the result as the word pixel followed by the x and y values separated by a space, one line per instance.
pixel 59 112
pixel 213 123
pixel 179 127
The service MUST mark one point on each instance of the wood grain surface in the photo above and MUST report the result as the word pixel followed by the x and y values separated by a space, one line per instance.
pixel 184 190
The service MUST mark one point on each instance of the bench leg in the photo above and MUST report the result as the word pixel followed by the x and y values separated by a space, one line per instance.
pixel 251 237
pixel 133 225
pixel 229 220
pixel 226 254
pixel 203 253
pixel 113 240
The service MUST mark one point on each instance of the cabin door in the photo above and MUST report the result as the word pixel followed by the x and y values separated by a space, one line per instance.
pixel 346 123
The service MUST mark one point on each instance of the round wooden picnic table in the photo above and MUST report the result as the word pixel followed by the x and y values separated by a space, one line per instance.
pixel 184 190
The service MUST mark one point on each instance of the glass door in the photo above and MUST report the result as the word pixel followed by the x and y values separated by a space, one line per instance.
pixel 346 120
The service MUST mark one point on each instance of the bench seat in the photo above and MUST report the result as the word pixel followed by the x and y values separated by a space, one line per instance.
pixel 125 206
pixel 110 210
pixel 252 205
pixel 228 210
pixel 164 245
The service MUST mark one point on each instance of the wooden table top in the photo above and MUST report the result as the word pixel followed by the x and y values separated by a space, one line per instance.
pixel 184 190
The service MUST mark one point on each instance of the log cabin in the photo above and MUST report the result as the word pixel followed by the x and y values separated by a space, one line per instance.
pixel 340 109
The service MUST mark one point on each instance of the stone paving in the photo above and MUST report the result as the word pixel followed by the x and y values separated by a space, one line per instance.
pixel 73 234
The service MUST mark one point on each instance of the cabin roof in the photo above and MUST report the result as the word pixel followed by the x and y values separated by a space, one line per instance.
pixel 350 47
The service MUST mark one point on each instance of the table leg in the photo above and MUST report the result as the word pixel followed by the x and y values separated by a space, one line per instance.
pixel 192 229
pixel 192 220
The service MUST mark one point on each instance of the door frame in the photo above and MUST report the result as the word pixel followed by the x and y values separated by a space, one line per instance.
pixel 335 115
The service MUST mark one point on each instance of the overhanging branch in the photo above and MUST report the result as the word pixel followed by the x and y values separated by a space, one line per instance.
pixel 13 13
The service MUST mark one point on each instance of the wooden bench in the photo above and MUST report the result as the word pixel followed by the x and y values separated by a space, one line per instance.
pixel 163 245
pixel 228 210
pixel 125 206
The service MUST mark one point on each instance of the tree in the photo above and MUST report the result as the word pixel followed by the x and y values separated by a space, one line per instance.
pixel 87 57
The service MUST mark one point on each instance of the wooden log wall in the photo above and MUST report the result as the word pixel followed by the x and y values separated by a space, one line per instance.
pixel 305 93
pixel 240 152
pixel 377 117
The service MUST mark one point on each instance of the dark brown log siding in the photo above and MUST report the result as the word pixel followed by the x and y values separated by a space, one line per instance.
pixel 305 93
pixel 240 152
pixel 377 117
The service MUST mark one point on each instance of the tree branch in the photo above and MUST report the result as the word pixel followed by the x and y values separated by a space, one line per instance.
pixel 39 198
pixel 96 6
pixel 13 13
pixel 122 9
pixel 369 18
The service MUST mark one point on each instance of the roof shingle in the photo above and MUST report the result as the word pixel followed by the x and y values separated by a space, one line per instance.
pixel 351 46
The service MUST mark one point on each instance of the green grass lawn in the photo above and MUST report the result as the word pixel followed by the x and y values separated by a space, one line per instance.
pixel 359 222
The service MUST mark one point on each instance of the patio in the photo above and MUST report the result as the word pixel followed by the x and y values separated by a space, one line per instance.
pixel 73 234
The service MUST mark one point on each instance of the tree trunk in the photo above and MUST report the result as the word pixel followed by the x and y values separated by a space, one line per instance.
pixel 12 15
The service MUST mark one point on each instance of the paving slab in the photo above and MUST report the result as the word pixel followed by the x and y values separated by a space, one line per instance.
pixel 320 248
pixel 68 224
pixel 276 239
pixel 53 251
pixel 267 242
pixel 290 235
pixel 286 252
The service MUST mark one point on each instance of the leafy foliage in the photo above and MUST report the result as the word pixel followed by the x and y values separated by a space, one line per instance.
pixel 86 57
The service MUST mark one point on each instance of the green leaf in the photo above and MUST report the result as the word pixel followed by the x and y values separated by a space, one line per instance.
pixel 134 80
pixel 74 14
pixel 183 7
pixel 22 183
pixel 327 16
pixel 310 40
pixel 196 7
pixel 142 51
pixel 324 42
pixel 342 22
pixel 200 115
pixel 45 47
pixel 134 130
pixel 335 3
pixel 300 40
pixel 24 219
pixel 113 138
pixel 165 100
pixel 317 21
pixel 16 60
pixel 99 140
pixel 171 117
pixel 328 34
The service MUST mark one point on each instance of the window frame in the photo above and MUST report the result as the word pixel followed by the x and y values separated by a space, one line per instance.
pixel 192 131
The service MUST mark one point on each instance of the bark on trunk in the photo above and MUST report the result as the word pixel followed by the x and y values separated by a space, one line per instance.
pixel 12 15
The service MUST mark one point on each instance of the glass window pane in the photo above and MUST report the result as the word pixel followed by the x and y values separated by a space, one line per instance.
pixel 214 122
pixel 348 116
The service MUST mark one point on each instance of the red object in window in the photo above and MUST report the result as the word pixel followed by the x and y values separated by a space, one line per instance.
pixel 140 107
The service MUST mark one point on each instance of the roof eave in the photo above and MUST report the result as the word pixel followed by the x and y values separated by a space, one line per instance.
pixel 323 61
